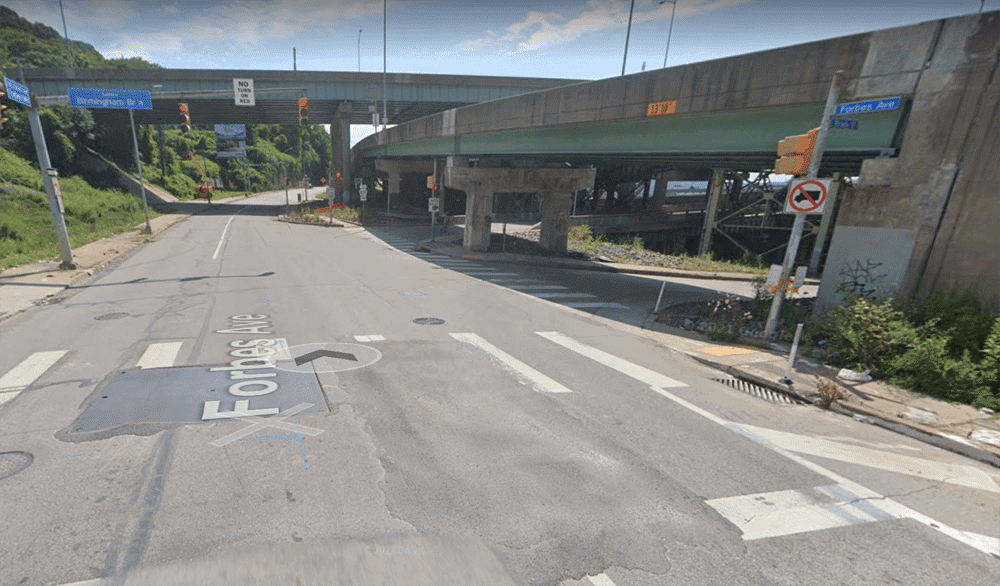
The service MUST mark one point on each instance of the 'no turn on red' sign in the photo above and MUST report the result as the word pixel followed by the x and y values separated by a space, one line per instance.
pixel 807 196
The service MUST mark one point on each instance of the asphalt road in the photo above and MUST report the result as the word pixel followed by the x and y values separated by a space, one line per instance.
pixel 293 424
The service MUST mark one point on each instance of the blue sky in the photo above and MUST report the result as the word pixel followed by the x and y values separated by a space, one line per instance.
pixel 577 39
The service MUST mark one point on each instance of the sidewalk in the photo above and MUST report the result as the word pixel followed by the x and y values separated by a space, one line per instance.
pixel 36 283
pixel 957 428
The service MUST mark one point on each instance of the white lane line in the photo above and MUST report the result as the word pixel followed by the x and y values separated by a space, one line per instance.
pixel 161 355
pixel 561 295
pixel 787 512
pixel 536 287
pixel 8 396
pixel 370 338
pixel 640 373
pixel 983 543
pixel 601 580
pixel 223 236
pixel 589 305
pixel 508 281
pixel 29 370
pixel 482 274
pixel 541 383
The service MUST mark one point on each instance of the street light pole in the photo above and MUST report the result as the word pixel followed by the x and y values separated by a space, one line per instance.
pixel 359 50
pixel 66 33
pixel 384 69
pixel 627 34
pixel 671 30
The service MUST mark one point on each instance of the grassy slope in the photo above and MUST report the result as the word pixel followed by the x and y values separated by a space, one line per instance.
pixel 27 233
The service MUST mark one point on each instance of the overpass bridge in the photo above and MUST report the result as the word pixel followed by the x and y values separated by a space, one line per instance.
pixel 335 98
pixel 926 170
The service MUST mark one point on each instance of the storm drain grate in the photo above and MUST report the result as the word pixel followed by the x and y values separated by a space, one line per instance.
pixel 757 391
pixel 13 462
pixel 116 315
pixel 428 321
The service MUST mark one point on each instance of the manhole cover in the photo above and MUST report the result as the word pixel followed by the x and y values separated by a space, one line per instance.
pixel 13 462
pixel 428 321
pixel 116 315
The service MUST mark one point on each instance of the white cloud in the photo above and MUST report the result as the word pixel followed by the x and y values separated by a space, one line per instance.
pixel 538 30
pixel 149 47
pixel 170 8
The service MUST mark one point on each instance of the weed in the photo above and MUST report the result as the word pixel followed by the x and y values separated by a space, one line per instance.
pixel 828 392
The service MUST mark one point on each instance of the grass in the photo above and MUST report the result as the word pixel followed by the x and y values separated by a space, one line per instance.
pixel 581 239
pixel 27 233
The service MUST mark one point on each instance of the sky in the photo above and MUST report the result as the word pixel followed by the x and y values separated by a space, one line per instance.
pixel 574 39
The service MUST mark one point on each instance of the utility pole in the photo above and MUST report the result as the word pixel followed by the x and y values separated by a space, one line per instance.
pixel 800 218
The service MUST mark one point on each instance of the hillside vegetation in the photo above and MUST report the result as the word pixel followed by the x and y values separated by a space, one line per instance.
pixel 27 233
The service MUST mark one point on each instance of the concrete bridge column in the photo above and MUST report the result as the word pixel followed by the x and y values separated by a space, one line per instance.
pixel 712 210
pixel 478 208
pixel 480 183
pixel 555 220
pixel 394 170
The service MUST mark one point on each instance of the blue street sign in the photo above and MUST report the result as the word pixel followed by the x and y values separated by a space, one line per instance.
pixel 882 105
pixel 115 99
pixel 18 92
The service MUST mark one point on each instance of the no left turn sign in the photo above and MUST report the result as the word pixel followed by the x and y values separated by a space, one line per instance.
pixel 807 196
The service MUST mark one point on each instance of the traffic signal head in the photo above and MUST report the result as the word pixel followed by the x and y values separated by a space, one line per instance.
pixel 185 114
pixel 795 153
pixel 2 106
pixel 303 111
pixel 430 182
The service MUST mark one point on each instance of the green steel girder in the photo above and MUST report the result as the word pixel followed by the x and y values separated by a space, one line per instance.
pixel 737 140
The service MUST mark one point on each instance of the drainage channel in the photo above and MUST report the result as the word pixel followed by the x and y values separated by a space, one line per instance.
pixel 758 391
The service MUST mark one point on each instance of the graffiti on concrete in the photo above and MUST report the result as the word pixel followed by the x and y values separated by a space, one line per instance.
pixel 865 279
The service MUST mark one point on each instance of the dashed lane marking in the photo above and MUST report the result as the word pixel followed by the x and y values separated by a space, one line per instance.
pixel 640 373
pixel 160 355
pixel 540 382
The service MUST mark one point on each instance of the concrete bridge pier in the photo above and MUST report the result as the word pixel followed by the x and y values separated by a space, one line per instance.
pixel 480 183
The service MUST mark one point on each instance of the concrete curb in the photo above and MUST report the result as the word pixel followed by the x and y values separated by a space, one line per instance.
pixel 524 259
pixel 911 429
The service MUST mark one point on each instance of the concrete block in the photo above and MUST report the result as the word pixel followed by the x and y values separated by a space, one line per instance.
pixel 877 172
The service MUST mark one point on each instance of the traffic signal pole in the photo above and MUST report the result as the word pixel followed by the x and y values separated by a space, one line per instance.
pixel 800 219
pixel 65 252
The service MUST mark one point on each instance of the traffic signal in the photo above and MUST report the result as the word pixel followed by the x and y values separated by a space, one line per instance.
pixel 182 109
pixel 795 153
pixel 430 183
pixel 2 106
pixel 303 111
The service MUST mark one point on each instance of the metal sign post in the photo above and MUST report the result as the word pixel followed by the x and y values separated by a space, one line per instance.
pixel 800 217
pixel 65 252
pixel 138 161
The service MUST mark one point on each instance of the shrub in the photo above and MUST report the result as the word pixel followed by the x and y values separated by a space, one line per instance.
pixel 582 232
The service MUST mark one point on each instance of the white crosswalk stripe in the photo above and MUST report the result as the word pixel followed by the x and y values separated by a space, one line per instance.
pixel 160 355
pixel 535 287
pixel 26 373
pixel 640 373
pixel 539 381
pixel 595 304
pixel 561 295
